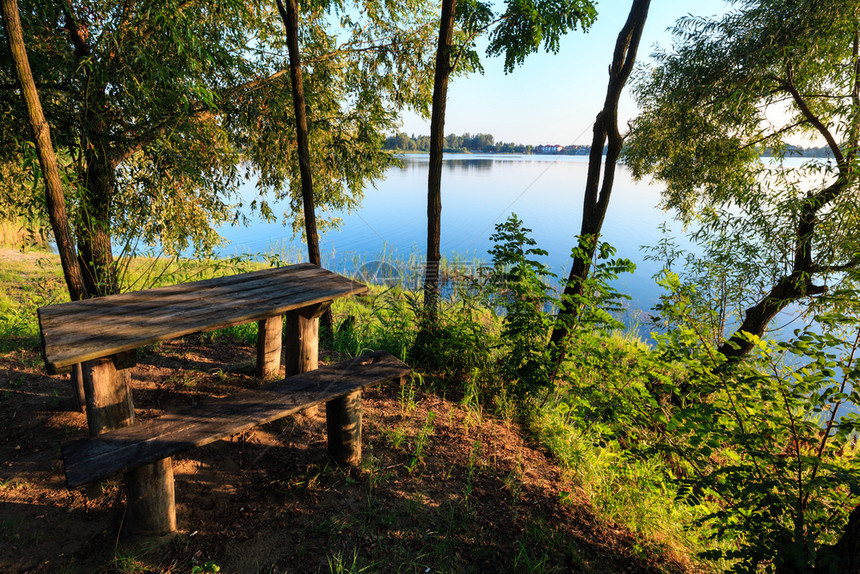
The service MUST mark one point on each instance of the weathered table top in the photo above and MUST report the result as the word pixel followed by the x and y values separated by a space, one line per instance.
pixel 84 330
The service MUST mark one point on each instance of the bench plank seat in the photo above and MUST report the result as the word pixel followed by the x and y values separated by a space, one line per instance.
pixel 125 448
pixel 84 330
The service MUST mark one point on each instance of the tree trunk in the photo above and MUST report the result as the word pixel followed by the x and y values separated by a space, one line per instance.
pixel 798 283
pixel 290 17
pixel 54 197
pixel 434 177
pixel 594 205
pixel 759 316
pixel 844 556
pixel 795 285
pixel 94 226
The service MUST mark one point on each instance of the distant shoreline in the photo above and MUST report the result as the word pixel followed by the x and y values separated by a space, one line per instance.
pixel 810 153
pixel 804 153
pixel 486 143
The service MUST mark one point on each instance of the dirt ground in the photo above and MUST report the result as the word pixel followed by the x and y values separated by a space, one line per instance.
pixel 441 488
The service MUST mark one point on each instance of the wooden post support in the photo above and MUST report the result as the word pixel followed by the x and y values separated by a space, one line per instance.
pixel 301 339
pixel 301 342
pixel 108 396
pixel 78 386
pixel 149 488
pixel 269 337
pixel 150 499
pixel 343 422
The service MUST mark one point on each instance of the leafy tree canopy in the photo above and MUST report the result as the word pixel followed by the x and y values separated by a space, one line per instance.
pixel 528 23
pixel 519 29
pixel 159 108
pixel 766 74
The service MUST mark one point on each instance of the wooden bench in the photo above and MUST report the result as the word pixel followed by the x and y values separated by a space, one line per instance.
pixel 151 508
pixel 99 338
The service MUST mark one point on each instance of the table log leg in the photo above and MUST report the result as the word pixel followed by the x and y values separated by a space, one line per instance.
pixel 343 422
pixel 269 337
pixel 301 342
pixel 108 396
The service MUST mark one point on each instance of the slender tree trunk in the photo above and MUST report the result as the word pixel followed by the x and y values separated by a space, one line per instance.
pixel 47 159
pixel 434 178
pixel 290 17
pixel 594 203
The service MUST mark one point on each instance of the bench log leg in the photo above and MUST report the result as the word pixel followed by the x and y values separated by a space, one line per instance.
pixel 343 422
pixel 150 499
pixel 78 386
pixel 269 337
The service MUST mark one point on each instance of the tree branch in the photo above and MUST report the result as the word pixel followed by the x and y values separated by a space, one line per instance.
pixel 854 131
pixel 254 84
pixel 39 85
pixel 472 36
pixel 79 35
pixel 120 152
pixel 853 264
pixel 776 133
pixel 812 118
pixel 347 47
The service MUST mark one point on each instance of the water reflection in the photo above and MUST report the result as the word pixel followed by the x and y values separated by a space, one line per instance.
pixel 464 163
pixel 469 165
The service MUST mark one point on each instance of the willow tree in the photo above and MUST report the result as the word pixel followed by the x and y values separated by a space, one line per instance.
pixel 159 108
pixel 518 31
pixel 757 79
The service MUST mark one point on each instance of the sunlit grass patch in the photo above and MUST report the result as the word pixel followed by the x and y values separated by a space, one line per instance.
pixel 623 489
pixel 18 235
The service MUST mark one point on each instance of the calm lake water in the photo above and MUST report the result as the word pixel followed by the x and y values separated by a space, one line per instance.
pixel 479 191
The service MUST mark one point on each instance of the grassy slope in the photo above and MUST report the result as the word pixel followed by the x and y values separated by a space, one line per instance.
pixel 444 487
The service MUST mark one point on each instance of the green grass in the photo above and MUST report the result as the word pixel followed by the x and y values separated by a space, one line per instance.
pixel 622 489
pixel 460 360
pixel 27 283
pixel 20 235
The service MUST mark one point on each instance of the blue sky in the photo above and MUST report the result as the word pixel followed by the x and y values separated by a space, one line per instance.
pixel 553 98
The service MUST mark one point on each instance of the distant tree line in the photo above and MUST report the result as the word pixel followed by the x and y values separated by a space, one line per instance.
pixel 485 143
pixel 476 143
pixel 454 143
pixel 800 151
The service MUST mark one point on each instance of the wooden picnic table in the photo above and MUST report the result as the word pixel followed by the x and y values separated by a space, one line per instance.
pixel 99 337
